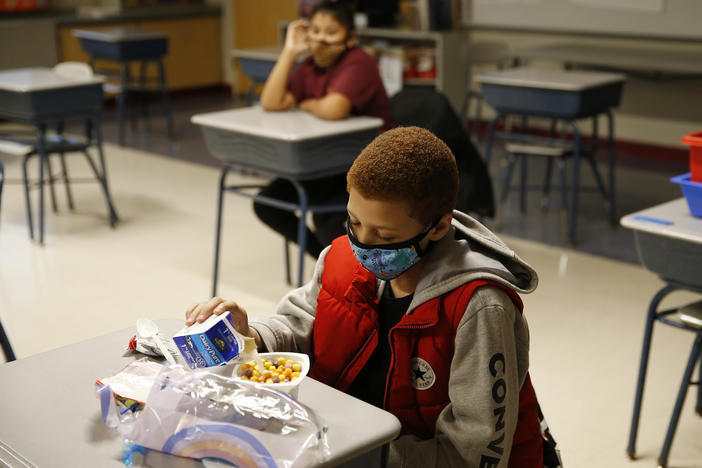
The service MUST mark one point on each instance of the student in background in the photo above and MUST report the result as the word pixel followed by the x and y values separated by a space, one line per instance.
pixel 336 80
pixel 416 310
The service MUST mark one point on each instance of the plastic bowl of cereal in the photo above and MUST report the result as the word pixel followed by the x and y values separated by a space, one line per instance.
pixel 282 371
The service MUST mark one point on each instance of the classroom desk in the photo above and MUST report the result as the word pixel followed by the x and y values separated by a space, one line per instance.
pixel 294 145
pixel 669 242
pixel 256 63
pixel 51 416
pixel 125 45
pixel 557 95
pixel 40 97
pixel 632 61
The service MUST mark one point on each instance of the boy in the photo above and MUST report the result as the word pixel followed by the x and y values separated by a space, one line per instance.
pixel 416 311
pixel 337 79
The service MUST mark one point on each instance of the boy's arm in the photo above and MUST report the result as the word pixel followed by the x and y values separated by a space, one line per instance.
pixel 476 428
pixel 291 328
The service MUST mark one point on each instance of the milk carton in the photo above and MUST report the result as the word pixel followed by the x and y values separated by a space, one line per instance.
pixel 213 342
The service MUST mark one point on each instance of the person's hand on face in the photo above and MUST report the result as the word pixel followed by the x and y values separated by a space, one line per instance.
pixel 296 37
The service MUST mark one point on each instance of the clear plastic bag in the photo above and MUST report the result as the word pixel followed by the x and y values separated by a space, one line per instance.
pixel 198 414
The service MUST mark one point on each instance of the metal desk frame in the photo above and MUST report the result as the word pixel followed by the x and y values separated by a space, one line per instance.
pixel 41 119
pixel 578 150
pixel 302 206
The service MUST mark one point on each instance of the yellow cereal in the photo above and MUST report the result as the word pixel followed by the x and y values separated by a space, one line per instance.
pixel 297 367
pixel 295 375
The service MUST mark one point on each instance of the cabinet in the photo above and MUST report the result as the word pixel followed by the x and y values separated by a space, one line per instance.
pixel 443 47
pixel 194 50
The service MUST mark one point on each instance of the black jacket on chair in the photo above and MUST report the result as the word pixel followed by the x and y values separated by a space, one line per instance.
pixel 427 108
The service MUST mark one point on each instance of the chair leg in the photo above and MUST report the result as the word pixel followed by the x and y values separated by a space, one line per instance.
pixel 691 362
pixel 6 347
pixel 523 184
pixel 28 201
pixel 698 406
pixel 301 229
pixel 286 251
pixel 52 191
pixel 101 173
pixel 66 181
pixel 507 177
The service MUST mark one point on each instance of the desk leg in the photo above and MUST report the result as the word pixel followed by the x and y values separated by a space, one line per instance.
pixel 27 196
pixel 643 366
pixel 489 140
pixel 612 191
pixel 577 141
pixel 165 102
pixel 301 228
pixel 218 229
pixel 41 152
pixel 121 98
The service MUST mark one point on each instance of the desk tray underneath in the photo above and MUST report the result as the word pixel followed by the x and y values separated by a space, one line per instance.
pixel 304 159
pixel 126 50
pixel 552 102
pixel 670 258
pixel 256 69
pixel 51 103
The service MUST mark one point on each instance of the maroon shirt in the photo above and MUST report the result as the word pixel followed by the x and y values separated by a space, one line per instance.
pixel 355 75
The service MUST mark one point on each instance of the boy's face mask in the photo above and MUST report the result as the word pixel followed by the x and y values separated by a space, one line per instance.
pixel 388 261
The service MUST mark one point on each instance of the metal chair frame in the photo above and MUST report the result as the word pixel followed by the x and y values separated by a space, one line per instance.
pixel 654 315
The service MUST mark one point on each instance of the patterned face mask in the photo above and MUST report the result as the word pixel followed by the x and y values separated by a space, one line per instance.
pixel 388 261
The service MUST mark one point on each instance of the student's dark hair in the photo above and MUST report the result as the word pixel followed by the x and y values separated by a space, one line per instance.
pixel 341 11
pixel 408 164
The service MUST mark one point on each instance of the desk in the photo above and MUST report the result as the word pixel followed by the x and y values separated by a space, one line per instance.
pixel 555 94
pixel 40 97
pixel 669 242
pixel 51 417
pixel 633 61
pixel 293 144
pixel 124 45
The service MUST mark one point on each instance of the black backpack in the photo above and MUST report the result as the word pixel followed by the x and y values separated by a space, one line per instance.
pixel 424 107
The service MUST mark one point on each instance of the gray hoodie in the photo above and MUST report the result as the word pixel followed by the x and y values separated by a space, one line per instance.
pixel 491 344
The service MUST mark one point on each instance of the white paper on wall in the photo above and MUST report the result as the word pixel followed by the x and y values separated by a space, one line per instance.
pixel 644 6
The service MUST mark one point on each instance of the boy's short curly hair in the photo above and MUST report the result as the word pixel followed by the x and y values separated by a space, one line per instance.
pixel 409 164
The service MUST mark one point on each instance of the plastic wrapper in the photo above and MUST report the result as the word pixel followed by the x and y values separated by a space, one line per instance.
pixel 198 414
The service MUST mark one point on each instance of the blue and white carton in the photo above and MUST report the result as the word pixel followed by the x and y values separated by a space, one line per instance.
pixel 213 342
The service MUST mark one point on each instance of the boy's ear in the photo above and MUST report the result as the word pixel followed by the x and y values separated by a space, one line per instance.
pixel 441 228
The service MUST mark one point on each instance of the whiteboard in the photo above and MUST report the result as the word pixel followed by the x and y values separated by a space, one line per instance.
pixel 649 18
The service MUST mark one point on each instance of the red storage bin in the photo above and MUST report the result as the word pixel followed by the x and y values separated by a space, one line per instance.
pixel 694 141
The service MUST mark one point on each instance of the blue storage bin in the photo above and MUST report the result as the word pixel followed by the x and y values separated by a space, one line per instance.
pixel 692 191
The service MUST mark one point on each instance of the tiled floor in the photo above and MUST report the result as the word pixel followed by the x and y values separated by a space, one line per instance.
pixel 586 317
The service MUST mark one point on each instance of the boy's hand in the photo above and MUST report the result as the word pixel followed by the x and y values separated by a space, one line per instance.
pixel 296 37
pixel 199 312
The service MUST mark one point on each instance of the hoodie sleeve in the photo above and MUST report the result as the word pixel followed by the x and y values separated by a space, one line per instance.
pixel 487 371
pixel 290 329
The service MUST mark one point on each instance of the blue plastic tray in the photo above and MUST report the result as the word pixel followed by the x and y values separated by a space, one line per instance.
pixel 692 191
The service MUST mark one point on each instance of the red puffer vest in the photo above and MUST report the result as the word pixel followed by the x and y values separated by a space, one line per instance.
pixel 345 335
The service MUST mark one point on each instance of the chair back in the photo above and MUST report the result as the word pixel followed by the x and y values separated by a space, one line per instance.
pixel 424 107
pixel 74 70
